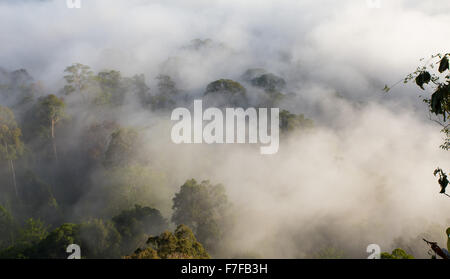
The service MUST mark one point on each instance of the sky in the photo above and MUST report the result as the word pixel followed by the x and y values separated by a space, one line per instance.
pixel 333 41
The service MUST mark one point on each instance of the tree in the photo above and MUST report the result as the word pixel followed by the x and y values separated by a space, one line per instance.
pixel 112 89
pixel 38 199
pixel 124 186
pixel 167 92
pixel 226 92
pixel 100 239
pixel 204 208
pixel 139 88
pixel 96 138
pixel 33 231
pixel 78 78
pixel 11 146
pixel 135 225
pixel 8 228
pixel 253 73
pixel 269 82
pixel 50 111
pixel 397 254
pixel 53 246
pixel 17 88
pixel 181 244
pixel 329 253
pixel 290 122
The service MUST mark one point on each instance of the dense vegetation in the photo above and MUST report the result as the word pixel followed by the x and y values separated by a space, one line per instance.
pixel 74 172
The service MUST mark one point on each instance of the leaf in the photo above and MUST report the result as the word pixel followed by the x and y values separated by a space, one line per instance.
pixel 444 65
pixel 423 78
pixel 438 100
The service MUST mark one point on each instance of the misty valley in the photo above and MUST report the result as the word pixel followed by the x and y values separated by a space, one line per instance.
pixel 224 130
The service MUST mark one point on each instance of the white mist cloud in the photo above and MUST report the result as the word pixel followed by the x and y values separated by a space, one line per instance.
pixel 365 174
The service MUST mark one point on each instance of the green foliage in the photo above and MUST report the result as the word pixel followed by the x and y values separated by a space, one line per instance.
pixel 51 109
pixel 136 224
pixel 253 73
pixel 111 86
pixel 8 228
pixel 95 139
pixel 55 244
pixel 28 237
pixel 181 244
pixel 439 102
pixel 11 145
pixel 397 254
pixel 33 232
pixel 269 82
pixel 97 238
pixel 38 197
pixel 123 187
pixel 203 207
pixel 167 93
pixel 227 85
pixel 226 92
pixel 17 88
pixel 78 78
pixel 290 122
pixel 137 86
pixel 100 239
pixel 329 253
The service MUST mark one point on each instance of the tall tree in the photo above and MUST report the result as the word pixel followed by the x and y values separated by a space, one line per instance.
pixel 137 224
pixel 204 208
pixel 100 239
pixel 167 93
pixel 181 244
pixel 78 78
pixel 226 92
pixel 112 87
pixel 11 145
pixel 138 87
pixel 51 110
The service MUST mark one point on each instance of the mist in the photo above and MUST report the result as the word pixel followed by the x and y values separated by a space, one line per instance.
pixel 362 175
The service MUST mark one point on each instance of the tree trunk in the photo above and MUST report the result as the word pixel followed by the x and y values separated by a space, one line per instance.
pixel 53 140
pixel 12 170
pixel 13 173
